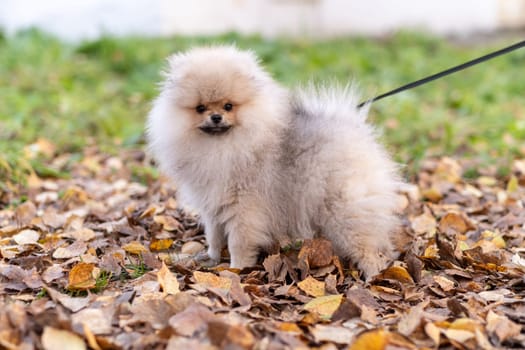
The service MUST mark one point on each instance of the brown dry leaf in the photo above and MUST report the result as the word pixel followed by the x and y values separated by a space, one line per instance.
pixel 98 321
pixel 408 323
pixel 503 328
pixel 312 287
pixel 167 280
pixel 230 336
pixel 210 280
pixel 274 265
pixel 192 320
pixel 449 170
pixel 424 224
pixel 53 339
pixel 70 251
pixel 83 234
pixel 397 273
pixel 52 273
pixel 444 283
pixel 317 252
pixel 160 244
pixel 24 213
pixel 74 304
pixel 380 339
pixel 453 223
pixel 324 306
pixel 135 247
pixel 83 276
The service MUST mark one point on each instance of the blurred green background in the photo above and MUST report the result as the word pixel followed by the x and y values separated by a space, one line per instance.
pixel 99 92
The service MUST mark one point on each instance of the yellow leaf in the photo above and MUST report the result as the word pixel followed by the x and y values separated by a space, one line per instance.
pixel 499 242
pixel 380 339
pixel 161 244
pixel 150 211
pixel 513 185
pixel 289 327
pixel 397 273
pixel 208 279
pixel 167 280
pixel 432 194
pixel 325 306
pixel 487 181
pixel 83 276
pixel 312 287
pixel 134 247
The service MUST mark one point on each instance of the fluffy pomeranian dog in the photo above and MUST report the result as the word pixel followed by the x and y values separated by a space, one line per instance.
pixel 263 165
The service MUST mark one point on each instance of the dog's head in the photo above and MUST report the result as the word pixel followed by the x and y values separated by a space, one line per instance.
pixel 213 88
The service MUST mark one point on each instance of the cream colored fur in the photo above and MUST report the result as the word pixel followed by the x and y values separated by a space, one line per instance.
pixel 293 165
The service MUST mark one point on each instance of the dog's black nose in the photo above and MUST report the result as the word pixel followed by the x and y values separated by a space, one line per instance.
pixel 216 118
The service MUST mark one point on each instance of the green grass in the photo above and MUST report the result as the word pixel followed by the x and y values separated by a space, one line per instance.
pixel 99 92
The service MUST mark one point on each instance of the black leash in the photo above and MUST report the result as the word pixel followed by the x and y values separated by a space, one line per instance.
pixel 445 72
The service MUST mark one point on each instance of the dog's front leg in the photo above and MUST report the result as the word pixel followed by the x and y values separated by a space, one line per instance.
pixel 248 234
pixel 216 241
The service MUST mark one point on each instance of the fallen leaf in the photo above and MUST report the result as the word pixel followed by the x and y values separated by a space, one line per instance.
pixel 83 276
pixel 444 283
pixel 53 339
pixel 26 237
pixel 230 336
pixel 160 244
pixel 167 280
pixel 168 223
pixel 52 273
pixel 503 328
pixel 324 306
pixel 433 333
pixel 397 273
pixel 334 334
pixel 424 223
pixel 98 321
pixel 380 339
pixel 134 247
pixel 408 323
pixel 74 304
pixel 191 248
pixel 70 251
pixel 453 223
pixel 192 320
pixel 312 287
pixel 317 252
pixel 210 280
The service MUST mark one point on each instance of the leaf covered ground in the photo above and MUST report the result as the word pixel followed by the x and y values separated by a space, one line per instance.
pixel 103 261
pixel 95 252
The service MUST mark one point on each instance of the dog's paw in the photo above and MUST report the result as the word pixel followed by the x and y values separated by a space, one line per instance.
pixel 204 259
pixel 372 266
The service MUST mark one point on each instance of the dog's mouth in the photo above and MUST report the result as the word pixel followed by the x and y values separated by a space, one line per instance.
pixel 215 130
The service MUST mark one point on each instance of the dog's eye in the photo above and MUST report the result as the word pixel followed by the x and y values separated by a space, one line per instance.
pixel 228 107
pixel 200 108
